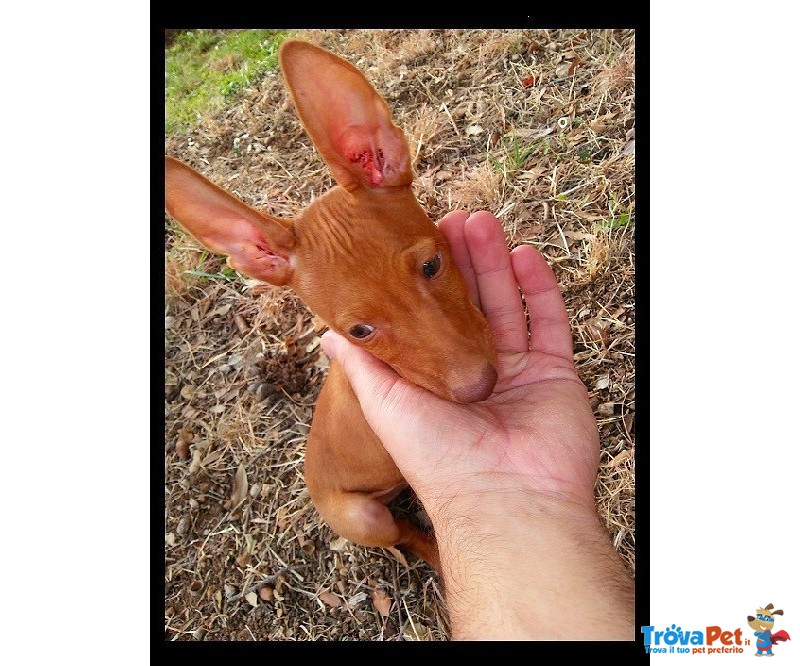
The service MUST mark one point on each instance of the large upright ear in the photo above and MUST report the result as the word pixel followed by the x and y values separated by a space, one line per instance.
pixel 257 245
pixel 349 123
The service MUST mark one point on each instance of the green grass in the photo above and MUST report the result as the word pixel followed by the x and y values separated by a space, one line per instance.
pixel 226 273
pixel 204 69
pixel 617 221
pixel 617 218
pixel 515 156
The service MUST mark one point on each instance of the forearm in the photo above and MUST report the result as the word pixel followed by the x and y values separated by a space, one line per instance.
pixel 542 572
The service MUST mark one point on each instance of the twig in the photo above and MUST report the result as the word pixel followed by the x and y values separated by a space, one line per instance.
pixel 267 581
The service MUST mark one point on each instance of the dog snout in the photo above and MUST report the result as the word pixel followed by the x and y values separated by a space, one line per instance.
pixel 481 389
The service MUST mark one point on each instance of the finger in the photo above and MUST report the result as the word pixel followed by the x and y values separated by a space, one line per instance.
pixel 550 329
pixel 452 226
pixel 401 414
pixel 499 292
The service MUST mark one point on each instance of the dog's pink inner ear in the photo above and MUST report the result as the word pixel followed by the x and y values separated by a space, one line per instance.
pixel 349 123
pixel 378 151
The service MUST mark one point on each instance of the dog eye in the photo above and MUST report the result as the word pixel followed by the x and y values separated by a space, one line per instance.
pixel 361 331
pixel 431 267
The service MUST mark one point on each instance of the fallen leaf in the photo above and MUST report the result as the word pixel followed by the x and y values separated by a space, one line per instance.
pixel 602 382
pixel 601 123
pixel 239 491
pixel 630 148
pixel 252 599
pixel 399 556
pixel 620 458
pixel 356 599
pixel 382 601
pixel 527 82
pixel 568 67
pixel 182 445
pixel 597 330
pixel 575 62
pixel 241 324
pixel 212 457
pixel 606 409
pixel 473 130
pixel 282 519
pixel 330 599
pixel 339 544
pixel 413 632
pixel 169 538
pixel 220 311
pixel 194 466
pixel 592 217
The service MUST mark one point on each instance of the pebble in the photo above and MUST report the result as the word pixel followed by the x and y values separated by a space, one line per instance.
pixel 606 409
pixel 183 525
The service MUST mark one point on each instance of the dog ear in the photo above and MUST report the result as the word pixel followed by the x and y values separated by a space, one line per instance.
pixel 348 121
pixel 257 245
pixel 777 612
pixel 750 618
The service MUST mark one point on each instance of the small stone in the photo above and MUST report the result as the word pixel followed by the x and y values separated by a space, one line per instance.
pixel 230 590
pixel 194 505
pixel 606 409
pixel 263 391
pixel 266 593
pixel 255 490
pixel 183 526
pixel 602 382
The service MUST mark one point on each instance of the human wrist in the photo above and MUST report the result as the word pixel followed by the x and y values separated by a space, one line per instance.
pixel 538 569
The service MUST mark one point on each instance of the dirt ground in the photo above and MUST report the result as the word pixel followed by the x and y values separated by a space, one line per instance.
pixel 536 126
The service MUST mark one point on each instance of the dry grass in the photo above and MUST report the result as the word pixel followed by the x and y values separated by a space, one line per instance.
pixel 536 126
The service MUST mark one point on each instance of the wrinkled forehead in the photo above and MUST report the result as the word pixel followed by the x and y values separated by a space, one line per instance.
pixel 346 228
pixel 395 213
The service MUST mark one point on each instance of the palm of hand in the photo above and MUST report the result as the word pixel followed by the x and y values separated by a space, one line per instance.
pixel 538 426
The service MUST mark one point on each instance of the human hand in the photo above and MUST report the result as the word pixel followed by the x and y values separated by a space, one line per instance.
pixel 520 464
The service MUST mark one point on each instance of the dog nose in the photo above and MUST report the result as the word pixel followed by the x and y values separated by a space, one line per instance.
pixel 480 390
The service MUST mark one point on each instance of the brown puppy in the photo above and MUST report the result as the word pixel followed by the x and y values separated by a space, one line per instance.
pixel 366 259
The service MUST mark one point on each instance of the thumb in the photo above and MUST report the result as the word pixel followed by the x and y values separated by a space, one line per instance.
pixel 403 415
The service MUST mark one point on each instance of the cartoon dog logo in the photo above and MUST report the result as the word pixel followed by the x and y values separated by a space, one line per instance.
pixel 762 623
